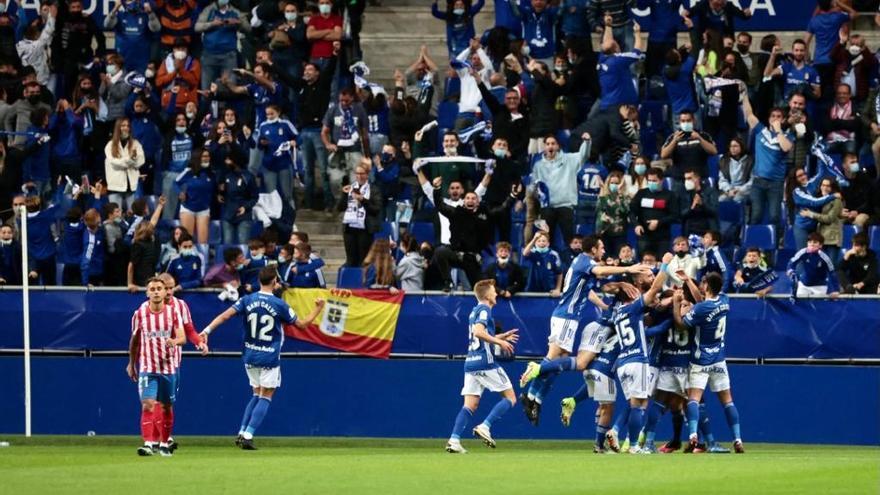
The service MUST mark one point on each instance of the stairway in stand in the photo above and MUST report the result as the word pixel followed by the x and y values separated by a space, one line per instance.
pixel 325 236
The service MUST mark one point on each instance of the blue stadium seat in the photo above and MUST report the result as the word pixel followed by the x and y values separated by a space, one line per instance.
pixel 447 111
pixel 849 231
pixel 761 236
pixel 731 217
pixel 713 167
pixel 788 239
pixel 584 229
pixel 387 230
pixel 215 234
pixel 874 237
pixel 350 277
pixel 203 251
pixel 423 231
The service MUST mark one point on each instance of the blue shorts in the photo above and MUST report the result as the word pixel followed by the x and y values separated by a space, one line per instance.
pixel 158 387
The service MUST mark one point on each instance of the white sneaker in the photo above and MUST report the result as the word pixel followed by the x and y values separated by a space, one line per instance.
pixel 635 450
pixel 482 431
pixel 454 447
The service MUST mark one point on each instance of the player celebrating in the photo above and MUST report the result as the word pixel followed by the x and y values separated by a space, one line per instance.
pixel 708 319
pixel 264 315
pixel 192 336
pixel 564 322
pixel 156 329
pixel 481 371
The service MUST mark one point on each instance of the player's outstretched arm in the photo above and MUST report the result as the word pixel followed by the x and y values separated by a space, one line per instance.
pixel 302 323
pixel 677 298
pixel 134 347
pixel 481 333
pixel 605 271
pixel 596 300
pixel 659 280
pixel 219 320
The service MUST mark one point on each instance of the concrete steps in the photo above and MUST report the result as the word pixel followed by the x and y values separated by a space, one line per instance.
pixel 325 237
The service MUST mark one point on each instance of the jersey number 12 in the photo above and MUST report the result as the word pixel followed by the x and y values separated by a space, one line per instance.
pixel 267 322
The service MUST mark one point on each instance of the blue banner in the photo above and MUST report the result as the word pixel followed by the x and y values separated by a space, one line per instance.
pixel 437 324
pixel 767 15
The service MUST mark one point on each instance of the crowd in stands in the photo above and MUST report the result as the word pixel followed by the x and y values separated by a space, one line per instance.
pixel 191 144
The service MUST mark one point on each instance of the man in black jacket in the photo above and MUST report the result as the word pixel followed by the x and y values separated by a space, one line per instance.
pixel 362 204
pixel 470 234
pixel 506 174
pixel 652 212
pixel 313 98
pixel 509 121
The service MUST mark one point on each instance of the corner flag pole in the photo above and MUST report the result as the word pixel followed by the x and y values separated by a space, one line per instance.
pixel 25 285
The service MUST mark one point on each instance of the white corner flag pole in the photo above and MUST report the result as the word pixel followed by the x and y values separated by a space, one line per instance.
pixel 27 322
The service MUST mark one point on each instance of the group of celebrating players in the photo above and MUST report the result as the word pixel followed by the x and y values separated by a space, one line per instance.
pixel 661 335
pixel 665 346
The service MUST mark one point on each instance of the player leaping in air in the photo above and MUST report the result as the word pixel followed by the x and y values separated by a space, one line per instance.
pixel 156 329
pixel 481 371
pixel 580 280
pixel 264 314
pixel 708 319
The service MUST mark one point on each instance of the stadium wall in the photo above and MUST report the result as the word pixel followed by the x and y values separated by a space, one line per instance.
pixel 434 325
pixel 415 398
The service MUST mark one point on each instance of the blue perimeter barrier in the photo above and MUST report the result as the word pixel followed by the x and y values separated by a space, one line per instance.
pixel 416 398
pixel 436 325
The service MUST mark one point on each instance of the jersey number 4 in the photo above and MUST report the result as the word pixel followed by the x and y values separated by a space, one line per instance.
pixel 266 322
pixel 721 328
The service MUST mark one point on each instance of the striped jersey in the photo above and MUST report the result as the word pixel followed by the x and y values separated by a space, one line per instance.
pixel 155 329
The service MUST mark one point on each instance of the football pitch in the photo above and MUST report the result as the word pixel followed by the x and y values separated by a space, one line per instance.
pixel 50 464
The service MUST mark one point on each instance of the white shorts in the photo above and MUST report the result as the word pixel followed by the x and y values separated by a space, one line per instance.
pixel 811 290
pixel 263 377
pixel 200 213
pixel 495 380
pixel 673 380
pixel 715 375
pixel 593 337
pixel 634 380
pixel 563 332
pixel 600 386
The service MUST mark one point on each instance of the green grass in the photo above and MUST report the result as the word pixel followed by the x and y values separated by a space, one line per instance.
pixel 99 465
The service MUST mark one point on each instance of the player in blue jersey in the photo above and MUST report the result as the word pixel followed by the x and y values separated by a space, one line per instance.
pixel 708 319
pixel 633 361
pixel 481 370
pixel 264 318
pixel 579 282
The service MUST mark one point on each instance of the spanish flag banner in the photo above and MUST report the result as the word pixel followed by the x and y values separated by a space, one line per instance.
pixel 358 321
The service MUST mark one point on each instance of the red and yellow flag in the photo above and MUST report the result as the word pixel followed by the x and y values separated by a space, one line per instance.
pixel 357 321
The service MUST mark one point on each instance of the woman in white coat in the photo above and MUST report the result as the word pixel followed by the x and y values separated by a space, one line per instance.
pixel 124 156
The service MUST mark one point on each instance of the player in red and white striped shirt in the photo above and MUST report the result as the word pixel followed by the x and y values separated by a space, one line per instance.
pixel 191 335
pixel 156 329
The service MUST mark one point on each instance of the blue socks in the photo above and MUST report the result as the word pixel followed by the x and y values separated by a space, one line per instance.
pixel 461 422
pixel 247 413
pixel 732 419
pixel 582 394
pixel 600 435
pixel 655 411
pixel 500 408
pixel 705 426
pixel 557 365
pixel 538 384
pixel 545 387
pixel 257 415
pixel 636 420
pixel 622 418
pixel 693 416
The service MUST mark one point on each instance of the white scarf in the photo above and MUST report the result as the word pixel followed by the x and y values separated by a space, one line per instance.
pixel 355 213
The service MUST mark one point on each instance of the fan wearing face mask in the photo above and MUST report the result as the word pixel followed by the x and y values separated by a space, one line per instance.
pixel 179 74
pixel 545 272
pixel 688 148
pixel 652 211
pixel 698 204
pixel 186 268
pixel 133 23
pixel 683 264
pixel 814 270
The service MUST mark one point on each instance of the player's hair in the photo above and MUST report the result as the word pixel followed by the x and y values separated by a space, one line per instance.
pixel 230 254
pixel 166 278
pixel 155 279
pixel 503 245
pixel 184 237
pixel 256 244
pixel 816 237
pixel 139 207
pixel 715 235
pixel 654 172
pixel 301 235
pixel 589 243
pixel 303 247
pixel 268 275
pixel 860 239
pixel 108 209
pixel 714 282
pixel 481 288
